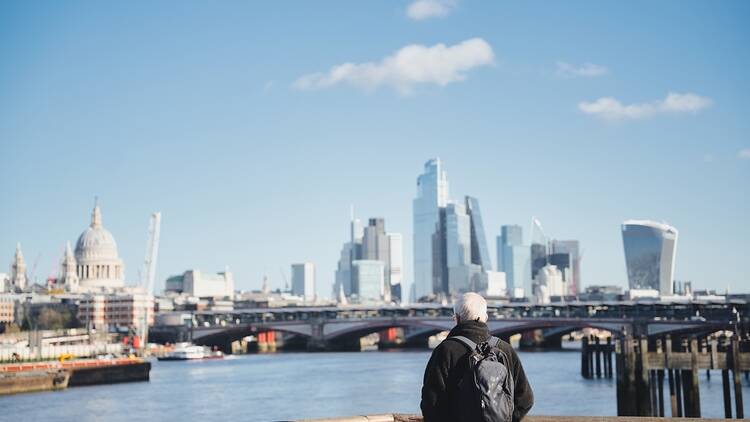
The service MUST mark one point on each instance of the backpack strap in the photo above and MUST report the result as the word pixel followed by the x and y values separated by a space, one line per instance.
pixel 466 342
pixel 494 341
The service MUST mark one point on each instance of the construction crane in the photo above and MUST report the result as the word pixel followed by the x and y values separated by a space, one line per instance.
pixel 148 274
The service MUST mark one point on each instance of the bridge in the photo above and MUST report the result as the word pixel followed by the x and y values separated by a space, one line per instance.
pixel 321 328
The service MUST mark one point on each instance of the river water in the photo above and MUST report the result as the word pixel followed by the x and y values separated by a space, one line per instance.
pixel 288 386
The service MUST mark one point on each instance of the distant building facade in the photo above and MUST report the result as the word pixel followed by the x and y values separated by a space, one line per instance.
pixel 98 265
pixel 650 250
pixel 370 243
pixel 122 310
pixel 303 280
pixel 369 280
pixel 196 283
pixel 514 259
pixel 432 196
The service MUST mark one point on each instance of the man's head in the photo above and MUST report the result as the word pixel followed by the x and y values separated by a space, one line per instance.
pixel 470 307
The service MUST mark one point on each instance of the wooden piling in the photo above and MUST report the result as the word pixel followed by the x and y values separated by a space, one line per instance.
pixel 598 357
pixel 642 386
pixel 584 358
pixel 735 353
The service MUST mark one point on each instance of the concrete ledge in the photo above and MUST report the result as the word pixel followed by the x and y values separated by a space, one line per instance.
pixel 418 418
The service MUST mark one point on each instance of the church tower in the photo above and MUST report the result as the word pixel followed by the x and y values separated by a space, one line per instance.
pixel 69 270
pixel 18 271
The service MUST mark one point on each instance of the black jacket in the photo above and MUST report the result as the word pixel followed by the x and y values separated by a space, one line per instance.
pixel 448 364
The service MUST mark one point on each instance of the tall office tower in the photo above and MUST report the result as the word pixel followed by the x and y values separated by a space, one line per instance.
pixel 369 279
pixel 350 251
pixel 463 275
pixel 565 254
pixel 18 271
pixel 514 259
pixel 432 195
pixel 395 264
pixel 539 258
pixel 303 280
pixel 375 242
pixel 480 255
pixel 650 249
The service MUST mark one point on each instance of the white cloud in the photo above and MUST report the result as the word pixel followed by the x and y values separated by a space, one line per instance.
pixel 586 70
pixel 744 154
pixel 411 65
pixel 611 109
pixel 426 9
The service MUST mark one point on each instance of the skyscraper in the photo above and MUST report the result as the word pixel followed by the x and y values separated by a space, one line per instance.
pixel 432 194
pixel 480 255
pixel 395 264
pixel 514 259
pixel 565 254
pixel 369 279
pixel 303 280
pixel 463 275
pixel 650 249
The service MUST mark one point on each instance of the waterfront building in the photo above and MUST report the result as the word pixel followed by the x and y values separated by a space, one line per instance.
pixel 432 195
pixel 369 280
pixel 18 280
pixel 197 284
pixel 395 264
pixel 4 282
pixel 121 310
pixel 514 259
pixel 99 268
pixel 650 249
pixel 303 280
pixel 602 293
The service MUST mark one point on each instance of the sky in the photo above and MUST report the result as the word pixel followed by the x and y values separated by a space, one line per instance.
pixel 254 126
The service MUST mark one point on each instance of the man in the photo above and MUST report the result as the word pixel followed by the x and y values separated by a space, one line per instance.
pixel 449 362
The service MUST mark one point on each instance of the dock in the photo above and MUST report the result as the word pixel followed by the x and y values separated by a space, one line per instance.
pixel 418 418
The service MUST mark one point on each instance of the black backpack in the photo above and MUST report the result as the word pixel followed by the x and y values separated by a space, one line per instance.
pixel 485 392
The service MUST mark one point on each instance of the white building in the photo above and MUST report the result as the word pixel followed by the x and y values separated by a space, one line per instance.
pixel 549 281
pixel 396 264
pixel 196 283
pixel 303 280
pixel 496 283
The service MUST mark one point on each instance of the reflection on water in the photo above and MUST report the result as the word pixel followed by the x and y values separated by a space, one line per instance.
pixel 300 385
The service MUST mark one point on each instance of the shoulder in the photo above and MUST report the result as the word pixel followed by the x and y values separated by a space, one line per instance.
pixel 449 349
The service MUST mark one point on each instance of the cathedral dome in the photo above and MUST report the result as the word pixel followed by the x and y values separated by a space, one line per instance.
pixel 96 242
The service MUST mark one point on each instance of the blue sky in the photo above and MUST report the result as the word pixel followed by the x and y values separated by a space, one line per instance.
pixel 239 123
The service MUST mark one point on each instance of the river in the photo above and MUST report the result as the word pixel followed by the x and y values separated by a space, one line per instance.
pixel 288 386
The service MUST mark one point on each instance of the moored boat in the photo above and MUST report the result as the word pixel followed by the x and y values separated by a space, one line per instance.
pixel 187 351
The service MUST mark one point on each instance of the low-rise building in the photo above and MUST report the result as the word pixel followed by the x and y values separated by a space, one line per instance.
pixel 195 283
pixel 122 310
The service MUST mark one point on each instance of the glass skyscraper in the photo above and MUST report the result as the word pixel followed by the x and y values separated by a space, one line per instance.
pixel 432 195
pixel 514 259
pixel 479 253
pixel 650 249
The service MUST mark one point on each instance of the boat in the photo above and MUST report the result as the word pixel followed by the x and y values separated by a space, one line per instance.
pixel 30 381
pixel 187 351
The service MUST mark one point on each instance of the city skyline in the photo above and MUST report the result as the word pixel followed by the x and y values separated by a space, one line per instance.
pixel 253 152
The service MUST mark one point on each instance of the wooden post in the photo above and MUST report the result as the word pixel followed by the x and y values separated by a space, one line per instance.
pixel 608 358
pixel 660 384
pixel 670 375
pixel 694 409
pixel 598 351
pixel 725 382
pixel 584 357
pixel 739 410
pixel 644 398
pixel 591 357
pixel 678 390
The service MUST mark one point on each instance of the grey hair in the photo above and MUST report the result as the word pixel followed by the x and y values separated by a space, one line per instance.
pixel 470 307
